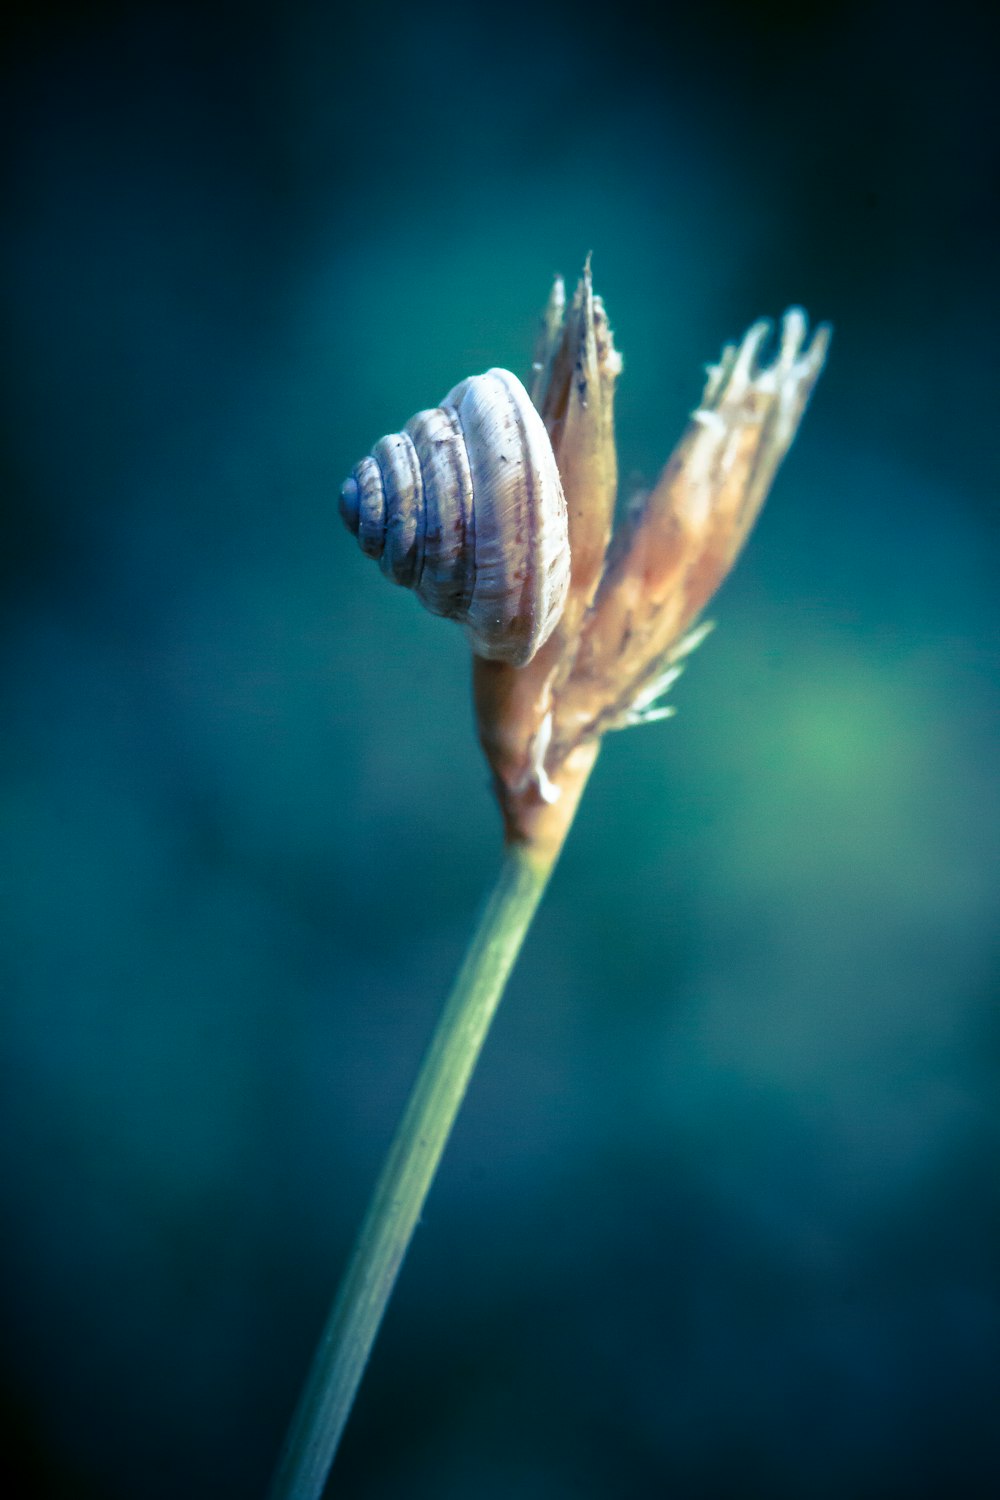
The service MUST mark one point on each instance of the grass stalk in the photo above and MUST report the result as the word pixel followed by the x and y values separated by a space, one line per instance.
pixel 407 1175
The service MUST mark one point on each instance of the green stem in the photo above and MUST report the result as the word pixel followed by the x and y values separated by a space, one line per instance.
pixel 407 1175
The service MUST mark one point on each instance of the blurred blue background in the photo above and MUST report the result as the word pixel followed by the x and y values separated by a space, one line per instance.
pixel 720 1216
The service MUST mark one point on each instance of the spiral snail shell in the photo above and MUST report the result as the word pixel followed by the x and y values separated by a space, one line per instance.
pixel 465 506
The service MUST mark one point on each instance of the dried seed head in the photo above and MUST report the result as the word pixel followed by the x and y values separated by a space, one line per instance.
pixel 627 627
pixel 676 549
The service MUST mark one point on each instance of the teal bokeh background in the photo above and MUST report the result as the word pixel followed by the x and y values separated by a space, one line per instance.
pixel 720 1215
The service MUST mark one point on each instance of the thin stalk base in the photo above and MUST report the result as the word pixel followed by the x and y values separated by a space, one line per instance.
pixel 399 1197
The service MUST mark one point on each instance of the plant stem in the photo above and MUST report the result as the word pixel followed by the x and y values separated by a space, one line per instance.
pixel 407 1175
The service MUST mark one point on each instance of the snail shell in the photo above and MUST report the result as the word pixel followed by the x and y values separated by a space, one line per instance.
pixel 465 506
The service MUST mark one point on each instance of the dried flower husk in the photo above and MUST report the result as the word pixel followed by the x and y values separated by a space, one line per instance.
pixel 630 616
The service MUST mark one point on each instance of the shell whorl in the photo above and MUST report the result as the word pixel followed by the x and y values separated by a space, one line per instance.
pixel 465 506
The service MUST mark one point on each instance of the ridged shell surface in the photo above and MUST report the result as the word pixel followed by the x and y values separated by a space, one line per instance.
pixel 466 507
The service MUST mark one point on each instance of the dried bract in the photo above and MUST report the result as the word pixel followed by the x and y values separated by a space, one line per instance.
pixel 630 616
